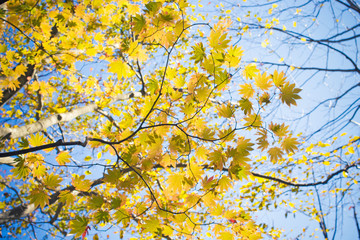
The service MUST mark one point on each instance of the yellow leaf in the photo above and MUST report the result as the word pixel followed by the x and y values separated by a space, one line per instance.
pixel 151 225
pixel 275 153
pixel 278 78
pixel 91 51
pixel 174 182
pixel 120 68
pixel 20 70
pixel 37 140
pixel 289 144
pixel 262 81
pixel 39 197
pixel 289 94
pixel 327 163
pixel 39 171
pixel 250 71
pixel 351 150
pixel 80 183
pixel 246 90
pixel 226 235
pixel 195 170
pixel 265 43
pixel 63 158
pixel 225 111
pixel 217 39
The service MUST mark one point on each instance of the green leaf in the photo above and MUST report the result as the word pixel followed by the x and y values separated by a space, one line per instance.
pixel 239 172
pixel 102 216
pixel 39 197
pixel 78 226
pixel 152 7
pixel 66 197
pixel 112 176
pixel 139 23
pixel 95 202
pixel 198 52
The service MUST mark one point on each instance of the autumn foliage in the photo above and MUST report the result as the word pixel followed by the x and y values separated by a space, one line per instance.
pixel 135 118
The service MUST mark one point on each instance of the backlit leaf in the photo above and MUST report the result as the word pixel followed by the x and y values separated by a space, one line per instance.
pixel 37 139
pixel 289 94
pixel 63 158
pixel 39 197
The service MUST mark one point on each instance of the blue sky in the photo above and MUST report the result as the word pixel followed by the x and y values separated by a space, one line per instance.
pixel 316 86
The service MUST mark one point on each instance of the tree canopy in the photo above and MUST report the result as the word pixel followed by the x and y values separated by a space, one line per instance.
pixel 164 120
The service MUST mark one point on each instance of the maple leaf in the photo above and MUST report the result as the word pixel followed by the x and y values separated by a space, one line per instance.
pixel 246 90
pixel 37 139
pixel 278 78
pixel 275 153
pixel 264 98
pixel 151 225
pixel 250 71
pixel 244 146
pixel 217 40
pixel 39 197
pixel 289 94
pixel 262 81
pixel 139 23
pixel 262 139
pixel 225 111
pixel 79 225
pixel 198 52
pixel 52 181
pixel 95 202
pixel 9 83
pixel 120 68
pixel 224 183
pixel 174 182
pixel 217 159
pixel 234 56
pixel 246 105
pixel 80 183
pixel 102 216
pixel 39 171
pixel 152 7
pixel 279 130
pixel 113 175
pixel 85 232
pixel 253 120
pixel 239 172
pixel 289 144
pixel 63 157
pixel 20 70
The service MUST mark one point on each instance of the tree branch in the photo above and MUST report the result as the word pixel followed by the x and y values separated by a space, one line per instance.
pixel 26 209
pixel 11 132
